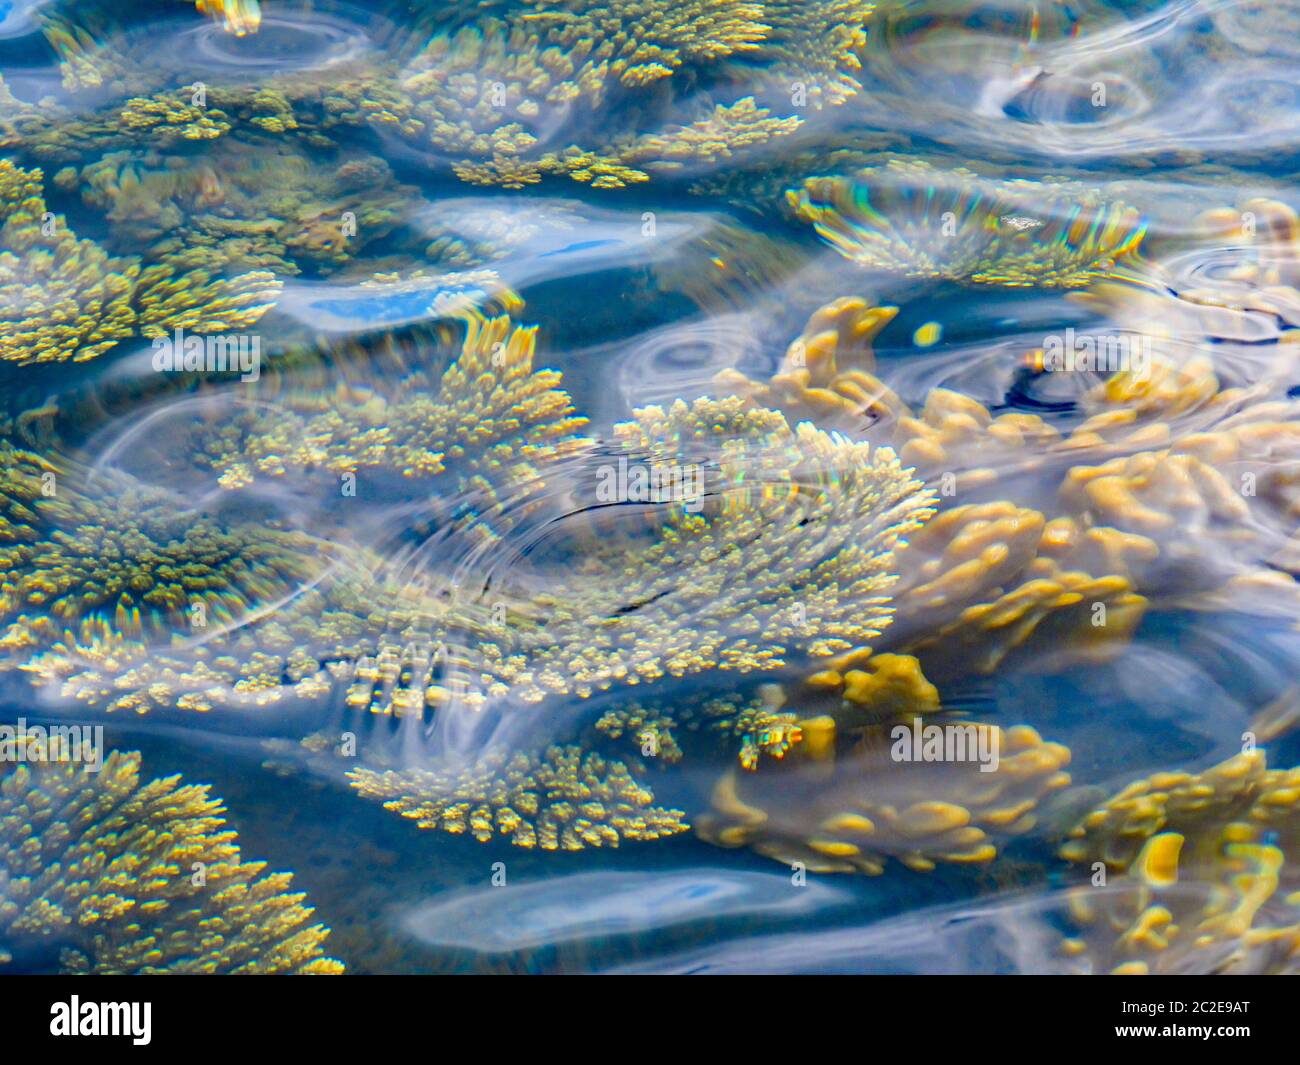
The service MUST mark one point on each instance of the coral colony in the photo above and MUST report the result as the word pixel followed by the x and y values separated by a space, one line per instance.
pixel 748 614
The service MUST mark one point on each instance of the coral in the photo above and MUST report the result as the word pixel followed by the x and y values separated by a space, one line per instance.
pixel 560 799
pixel 786 555
pixel 909 218
pixel 128 877
pixel 486 90
pixel 1172 504
pixel 60 297
pixel 884 687
pixel 756 722
pixel 955 434
pixel 645 728
pixel 132 556
pixel 849 810
pixel 1239 800
pixel 64 298
pixel 981 580
pixel 812 48
pixel 166 119
pixel 721 134
pixel 485 413
pixel 826 376
pixel 1195 863
pixel 25 478
pixel 246 205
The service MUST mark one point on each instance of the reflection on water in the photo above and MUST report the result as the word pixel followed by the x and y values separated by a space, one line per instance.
pixel 587 486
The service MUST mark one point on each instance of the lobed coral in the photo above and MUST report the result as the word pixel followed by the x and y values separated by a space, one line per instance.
pixel 132 877
pixel 1197 864
pixel 848 807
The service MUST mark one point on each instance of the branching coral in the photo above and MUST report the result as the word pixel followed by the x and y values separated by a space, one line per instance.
pixel 60 297
pixel 246 205
pixel 908 218
pixel 787 555
pixel 65 298
pixel 166 118
pixel 560 799
pixel 131 556
pixel 488 89
pixel 814 47
pixel 128 877
pixel 484 413
pixel 721 134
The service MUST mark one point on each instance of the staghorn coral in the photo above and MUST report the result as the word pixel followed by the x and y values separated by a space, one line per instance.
pixel 812 48
pixel 129 877
pixel 848 807
pixel 246 205
pixel 494 95
pixel 485 413
pixel 60 297
pixel 560 799
pixel 486 89
pixel 909 218
pixel 64 298
pixel 789 560
pixel 130 555
pixel 1196 863
pixel 725 131
pixel 25 478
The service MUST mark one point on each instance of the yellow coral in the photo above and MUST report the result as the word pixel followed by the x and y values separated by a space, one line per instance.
pixel 140 878
pixel 848 810
pixel 909 218
pixel 560 799
pixel 1196 861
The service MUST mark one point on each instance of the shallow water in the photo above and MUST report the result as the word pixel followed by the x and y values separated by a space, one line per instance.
pixel 894 366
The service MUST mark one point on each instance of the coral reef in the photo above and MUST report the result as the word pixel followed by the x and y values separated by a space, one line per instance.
pixel 132 877
pixel 784 556
pixel 132 556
